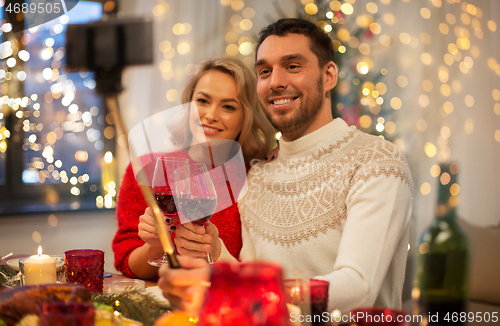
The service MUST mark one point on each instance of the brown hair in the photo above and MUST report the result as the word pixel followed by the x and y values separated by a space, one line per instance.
pixel 319 41
pixel 257 134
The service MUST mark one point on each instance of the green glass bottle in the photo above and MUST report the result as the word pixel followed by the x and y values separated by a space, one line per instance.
pixel 443 258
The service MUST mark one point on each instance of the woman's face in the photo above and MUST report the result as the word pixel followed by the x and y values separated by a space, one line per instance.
pixel 220 111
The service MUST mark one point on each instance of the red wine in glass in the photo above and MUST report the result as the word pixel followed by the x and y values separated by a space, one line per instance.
pixel 198 210
pixel 163 180
pixel 195 194
pixel 165 201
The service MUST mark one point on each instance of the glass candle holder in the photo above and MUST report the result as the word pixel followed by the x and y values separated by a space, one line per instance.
pixel 85 266
pixel 245 294
pixel 127 285
pixel 319 300
pixel 296 286
pixel 66 314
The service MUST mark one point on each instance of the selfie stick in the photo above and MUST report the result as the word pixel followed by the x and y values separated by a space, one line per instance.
pixel 163 233
pixel 106 47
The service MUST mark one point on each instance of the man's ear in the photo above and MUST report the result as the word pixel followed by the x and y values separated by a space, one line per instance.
pixel 331 76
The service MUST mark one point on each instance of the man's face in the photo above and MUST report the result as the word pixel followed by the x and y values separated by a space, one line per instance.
pixel 290 83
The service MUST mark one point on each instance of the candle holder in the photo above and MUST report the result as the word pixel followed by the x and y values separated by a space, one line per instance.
pixel 18 265
pixel 319 300
pixel 85 266
pixel 245 294
pixel 65 314
pixel 127 285
pixel 21 269
pixel 297 292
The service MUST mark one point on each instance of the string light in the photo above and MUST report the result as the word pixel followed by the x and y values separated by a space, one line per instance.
pixel 357 32
pixel 45 165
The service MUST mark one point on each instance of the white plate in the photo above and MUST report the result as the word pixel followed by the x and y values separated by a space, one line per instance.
pixel 157 293
pixel 14 263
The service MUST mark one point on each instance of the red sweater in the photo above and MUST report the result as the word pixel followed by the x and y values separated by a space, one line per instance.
pixel 131 205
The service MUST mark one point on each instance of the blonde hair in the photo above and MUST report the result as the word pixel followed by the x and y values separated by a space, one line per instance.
pixel 257 134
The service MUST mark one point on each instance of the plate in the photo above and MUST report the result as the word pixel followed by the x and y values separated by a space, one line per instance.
pixel 14 263
pixel 157 293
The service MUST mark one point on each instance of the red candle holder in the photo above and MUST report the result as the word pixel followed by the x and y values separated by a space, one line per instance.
pixel 378 316
pixel 247 294
pixel 85 266
pixel 63 314
pixel 319 300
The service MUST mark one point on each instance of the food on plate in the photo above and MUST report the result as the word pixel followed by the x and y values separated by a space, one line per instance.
pixel 103 317
pixel 176 318
pixel 17 302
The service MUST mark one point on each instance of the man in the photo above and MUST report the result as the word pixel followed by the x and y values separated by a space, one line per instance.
pixel 336 203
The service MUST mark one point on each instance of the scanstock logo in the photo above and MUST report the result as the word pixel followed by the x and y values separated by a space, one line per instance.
pixel 178 132
pixel 27 14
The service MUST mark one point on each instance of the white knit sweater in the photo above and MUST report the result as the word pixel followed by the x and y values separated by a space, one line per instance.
pixel 336 204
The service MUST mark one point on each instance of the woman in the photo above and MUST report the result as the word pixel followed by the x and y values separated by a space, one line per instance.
pixel 225 96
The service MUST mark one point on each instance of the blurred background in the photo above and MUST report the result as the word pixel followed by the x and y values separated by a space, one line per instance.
pixel 422 74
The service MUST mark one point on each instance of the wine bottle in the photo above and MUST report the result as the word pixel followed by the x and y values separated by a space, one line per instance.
pixel 442 273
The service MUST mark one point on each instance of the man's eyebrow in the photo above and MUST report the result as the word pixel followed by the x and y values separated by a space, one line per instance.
pixel 288 57
pixel 294 56
pixel 260 62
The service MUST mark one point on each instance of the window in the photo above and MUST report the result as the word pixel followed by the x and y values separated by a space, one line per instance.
pixel 57 139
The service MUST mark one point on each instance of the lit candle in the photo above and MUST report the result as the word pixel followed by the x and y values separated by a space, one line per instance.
pixel 40 269
pixel 295 295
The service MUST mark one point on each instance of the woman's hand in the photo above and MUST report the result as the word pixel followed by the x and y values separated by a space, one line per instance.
pixel 147 229
pixel 152 248
pixel 185 287
pixel 196 241
pixel 272 154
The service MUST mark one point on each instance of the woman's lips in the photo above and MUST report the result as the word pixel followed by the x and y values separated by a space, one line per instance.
pixel 210 131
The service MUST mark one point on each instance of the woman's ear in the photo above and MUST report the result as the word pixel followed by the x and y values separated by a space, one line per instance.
pixel 331 76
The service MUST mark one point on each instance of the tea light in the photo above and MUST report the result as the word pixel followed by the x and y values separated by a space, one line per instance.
pixel 295 294
pixel 40 269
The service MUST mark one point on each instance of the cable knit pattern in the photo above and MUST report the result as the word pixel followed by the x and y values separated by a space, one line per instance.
pixel 286 210
pixel 336 204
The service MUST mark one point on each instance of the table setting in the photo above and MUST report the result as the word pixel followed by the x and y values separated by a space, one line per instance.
pixel 73 289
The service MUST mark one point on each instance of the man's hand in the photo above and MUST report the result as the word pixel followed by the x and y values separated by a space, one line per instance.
pixel 185 287
pixel 196 241
pixel 147 228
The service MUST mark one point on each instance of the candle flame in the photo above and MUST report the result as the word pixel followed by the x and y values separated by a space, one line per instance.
pixel 39 251
pixel 295 291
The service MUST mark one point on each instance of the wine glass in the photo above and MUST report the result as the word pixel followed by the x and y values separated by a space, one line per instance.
pixel 163 188
pixel 195 195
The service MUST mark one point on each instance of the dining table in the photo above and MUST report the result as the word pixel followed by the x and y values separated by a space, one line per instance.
pixel 151 286
pixel 152 289
pixel 110 277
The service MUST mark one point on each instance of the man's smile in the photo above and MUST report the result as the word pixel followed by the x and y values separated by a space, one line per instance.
pixel 282 102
